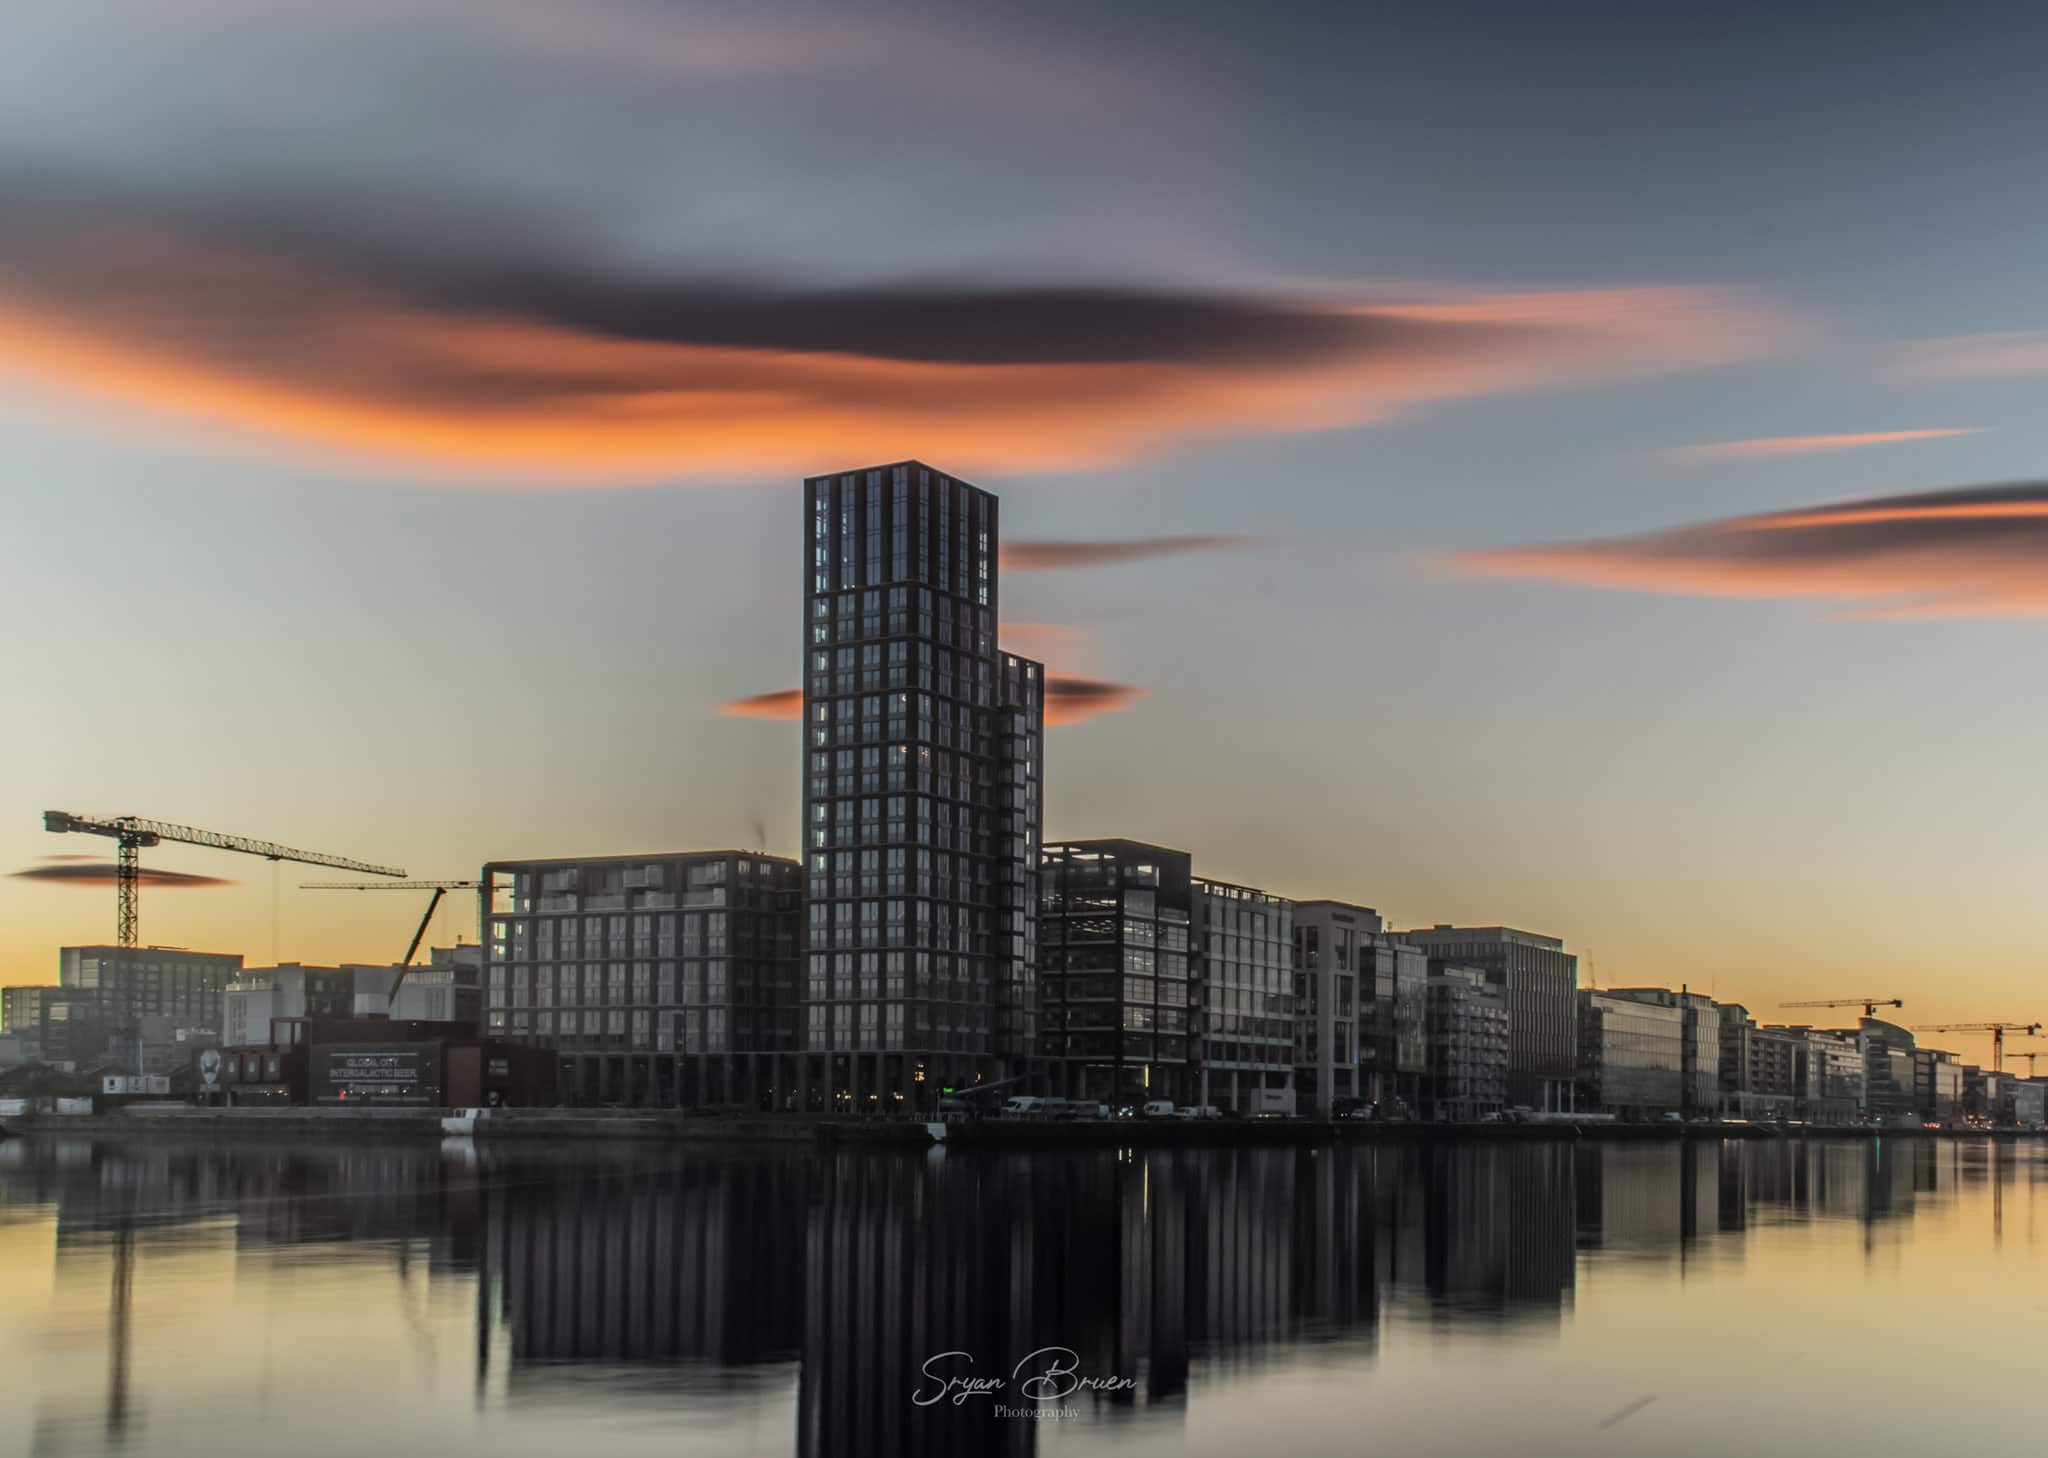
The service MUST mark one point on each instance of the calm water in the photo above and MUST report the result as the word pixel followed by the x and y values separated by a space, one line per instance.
pixel 1810 1297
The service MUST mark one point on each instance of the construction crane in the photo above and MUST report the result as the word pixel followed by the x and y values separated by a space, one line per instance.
pixel 131 835
pixel 2030 1057
pixel 439 888
pixel 1870 1005
pixel 1996 1030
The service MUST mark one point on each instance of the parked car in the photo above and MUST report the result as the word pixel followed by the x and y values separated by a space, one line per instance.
pixel 1199 1111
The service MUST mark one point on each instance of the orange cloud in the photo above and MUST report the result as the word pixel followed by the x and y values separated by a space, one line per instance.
pixel 781 704
pixel 86 872
pixel 1069 698
pixel 1074 700
pixel 534 369
pixel 1972 552
pixel 1975 356
pixel 1047 556
pixel 1772 447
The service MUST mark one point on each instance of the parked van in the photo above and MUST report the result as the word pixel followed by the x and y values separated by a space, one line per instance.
pixel 1158 1109
pixel 1023 1106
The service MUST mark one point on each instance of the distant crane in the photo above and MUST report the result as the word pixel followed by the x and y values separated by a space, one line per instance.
pixel 439 888
pixel 131 834
pixel 2030 1057
pixel 1870 1005
pixel 1996 1030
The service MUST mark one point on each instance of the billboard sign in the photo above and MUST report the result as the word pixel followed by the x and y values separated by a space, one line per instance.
pixel 382 1073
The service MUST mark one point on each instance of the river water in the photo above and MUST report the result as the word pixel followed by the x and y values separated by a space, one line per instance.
pixel 1809 1296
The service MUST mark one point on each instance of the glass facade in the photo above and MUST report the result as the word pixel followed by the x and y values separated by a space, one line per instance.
pixel 1539 979
pixel 1118 996
pixel 661 980
pixel 1631 1055
pixel 1244 966
pixel 922 798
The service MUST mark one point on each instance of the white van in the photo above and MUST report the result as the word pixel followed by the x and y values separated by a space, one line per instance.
pixel 1023 1106
pixel 1158 1109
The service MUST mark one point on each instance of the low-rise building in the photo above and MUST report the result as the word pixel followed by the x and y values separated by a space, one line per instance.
pixel 1467 1046
pixel 2023 1104
pixel 1937 1085
pixel 1243 949
pixel 1335 1063
pixel 1539 980
pixel 1631 1055
pixel 1758 1067
pixel 1889 1079
pixel 1118 997
pixel 659 980
pixel 1700 1093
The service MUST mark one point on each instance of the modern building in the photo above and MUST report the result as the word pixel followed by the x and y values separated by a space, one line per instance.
pixel 1117 990
pixel 1333 990
pixel 1360 1011
pixel 1759 1076
pixel 1832 1076
pixel 1631 1055
pixel 21 1010
pixel 1243 947
pixel 1701 1091
pixel 658 979
pixel 1937 1085
pixel 2023 1103
pixel 922 794
pixel 114 1003
pixel 1539 979
pixel 448 989
pixel 1891 1091
pixel 1468 1046
pixel 288 990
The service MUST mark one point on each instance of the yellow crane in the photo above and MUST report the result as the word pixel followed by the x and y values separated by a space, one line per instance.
pixel 1996 1030
pixel 1870 1005
pixel 132 835
pixel 439 888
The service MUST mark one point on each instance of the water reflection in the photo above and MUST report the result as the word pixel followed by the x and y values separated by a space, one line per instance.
pixel 809 1293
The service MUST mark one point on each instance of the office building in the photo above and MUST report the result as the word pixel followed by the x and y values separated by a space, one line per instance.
pixel 1631 1055
pixel 1117 989
pixel 1333 990
pixel 658 979
pixel 1889 1079
pixel 1360 1011
pixel 21 1010
pixel 1937 1085
pixel 1539 980
pixel 1831 1079
pixel 1700 1093
pixel 1243 946
pixel 1467 1074
pixel 922 794
pixel 1759 1067
pixel 113 1001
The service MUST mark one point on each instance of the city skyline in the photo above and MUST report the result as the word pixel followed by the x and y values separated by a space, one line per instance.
pixel 1248 429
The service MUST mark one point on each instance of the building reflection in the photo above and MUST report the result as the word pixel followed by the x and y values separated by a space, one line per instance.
pixel 854 1270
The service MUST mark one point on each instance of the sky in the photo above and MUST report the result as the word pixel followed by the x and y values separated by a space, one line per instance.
pixel 1569 466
